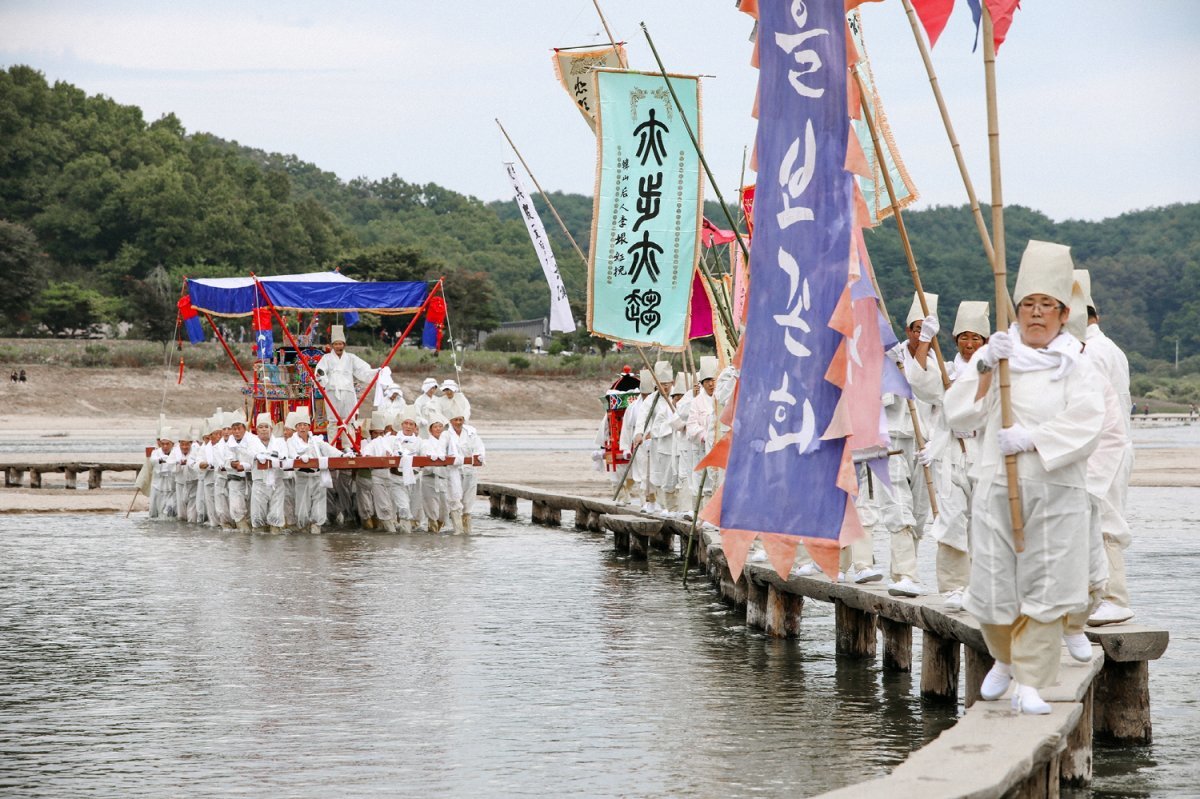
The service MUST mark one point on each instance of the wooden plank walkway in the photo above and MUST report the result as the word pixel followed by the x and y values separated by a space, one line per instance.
pixel 14 472
pixel 990 752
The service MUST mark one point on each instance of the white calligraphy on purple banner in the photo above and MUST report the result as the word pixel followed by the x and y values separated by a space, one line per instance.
pixel 781 476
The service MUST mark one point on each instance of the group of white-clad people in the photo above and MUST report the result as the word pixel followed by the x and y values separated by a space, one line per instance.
pixel 665 432
pixel 1074 456
pixel 1070 400
pixel 274 476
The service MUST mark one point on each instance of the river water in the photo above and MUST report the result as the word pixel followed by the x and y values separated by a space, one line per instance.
pixel 141 659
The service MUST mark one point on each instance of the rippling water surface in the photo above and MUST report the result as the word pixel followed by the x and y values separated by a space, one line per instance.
pixel 141 659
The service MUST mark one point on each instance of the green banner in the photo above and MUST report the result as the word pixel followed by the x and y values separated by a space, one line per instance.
pixel 647 209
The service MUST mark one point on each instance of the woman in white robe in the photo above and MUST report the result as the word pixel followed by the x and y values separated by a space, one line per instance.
pixel 1022 599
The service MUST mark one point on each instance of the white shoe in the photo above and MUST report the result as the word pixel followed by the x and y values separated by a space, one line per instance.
pixel 648 508
pixel 906 587
pixel 1109 613
pixel 757 556
pixel 841 577
pixel 1079 647
pixel 1027 700
pixel 995 683
pixel 867 575
pixel 809 569
pixel 954 600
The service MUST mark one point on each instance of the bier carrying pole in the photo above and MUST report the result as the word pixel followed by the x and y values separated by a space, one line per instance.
pixel 1000 274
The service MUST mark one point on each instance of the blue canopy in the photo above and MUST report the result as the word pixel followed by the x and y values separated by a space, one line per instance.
pixel 316 291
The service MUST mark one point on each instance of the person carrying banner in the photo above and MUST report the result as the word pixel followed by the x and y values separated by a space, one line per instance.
pixel 659 435
pixel 631 439
pixel 950 452
pixel 1022 598
pixel 905 507
pixel 703 427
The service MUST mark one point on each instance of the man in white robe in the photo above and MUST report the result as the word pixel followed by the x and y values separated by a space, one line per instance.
pixel 339 372
pixel 463 473
pixel 311 479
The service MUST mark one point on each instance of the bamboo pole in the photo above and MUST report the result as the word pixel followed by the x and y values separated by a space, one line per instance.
pixel 912 406
pixel 868 116
pixel 636 447
pixel 695 143
pixel 546 199
pixel 654 377
pixel 976 212
pixel 611 39
pixel 999 273
pixel 687 552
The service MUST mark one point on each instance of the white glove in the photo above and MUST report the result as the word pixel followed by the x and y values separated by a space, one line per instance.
pixel 1015 439
pixel 929 328
pixel 924 456
pixel 999 346
pixel 896 353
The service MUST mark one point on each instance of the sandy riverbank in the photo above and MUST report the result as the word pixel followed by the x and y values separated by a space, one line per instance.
pixel 540 429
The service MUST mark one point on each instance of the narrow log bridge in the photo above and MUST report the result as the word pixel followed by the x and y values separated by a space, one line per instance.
pixel 990 751
pixel 14 473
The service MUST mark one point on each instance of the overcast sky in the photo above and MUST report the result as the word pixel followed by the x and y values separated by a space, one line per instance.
pixel 1098 99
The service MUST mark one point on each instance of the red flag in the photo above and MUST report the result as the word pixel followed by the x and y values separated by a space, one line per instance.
pixel 262 318
pixel 1001 12
pixel 748 207
pixel 711 235
pixel 701 322
pixel 933 14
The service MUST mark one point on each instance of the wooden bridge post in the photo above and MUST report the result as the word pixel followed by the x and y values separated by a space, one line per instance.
pixel 95 474
pixel 35 477
pixel 939 668
pixel 855 631
pixel 756 605
pixel 495 504
pixel 638 544
pixel 581 517
pixel 783 613
pixel 897 644
pixel 735 592
pixel 1075 766
pixel 508 508
pixel 69 476
pixel 12 477
pixel 1122 700
pixel 978 665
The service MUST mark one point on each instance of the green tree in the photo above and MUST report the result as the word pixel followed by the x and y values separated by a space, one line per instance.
pixel 23 271
pixel 69 308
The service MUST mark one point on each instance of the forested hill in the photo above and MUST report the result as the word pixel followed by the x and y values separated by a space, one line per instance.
pixel 101 209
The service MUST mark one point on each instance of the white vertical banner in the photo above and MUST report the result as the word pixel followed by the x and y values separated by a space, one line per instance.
pixel 560 309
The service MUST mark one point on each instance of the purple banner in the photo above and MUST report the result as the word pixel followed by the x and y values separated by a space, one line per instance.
pixel 781 476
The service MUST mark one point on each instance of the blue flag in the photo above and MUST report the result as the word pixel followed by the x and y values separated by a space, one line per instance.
pixel 264 344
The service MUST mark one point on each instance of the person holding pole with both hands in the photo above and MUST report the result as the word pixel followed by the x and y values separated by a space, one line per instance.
pixel 1022 595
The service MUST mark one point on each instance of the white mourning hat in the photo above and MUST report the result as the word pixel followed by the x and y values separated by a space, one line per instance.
pixel 1046 268
pixel 973 317
pixel 915 312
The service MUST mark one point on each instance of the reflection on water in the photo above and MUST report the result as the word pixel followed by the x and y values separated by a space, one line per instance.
pixel 145 659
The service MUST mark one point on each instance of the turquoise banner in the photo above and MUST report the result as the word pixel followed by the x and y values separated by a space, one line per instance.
pixel 647 211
